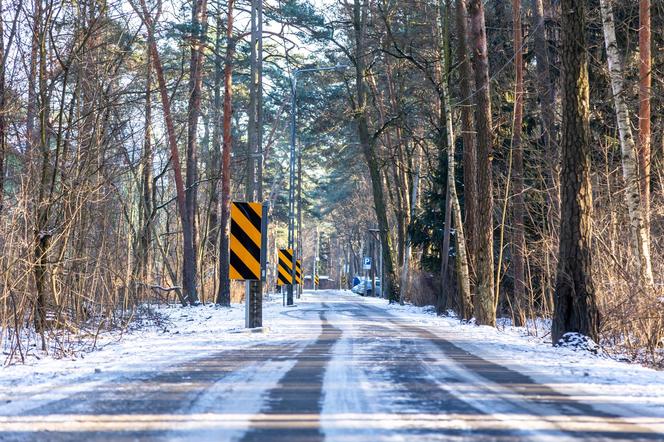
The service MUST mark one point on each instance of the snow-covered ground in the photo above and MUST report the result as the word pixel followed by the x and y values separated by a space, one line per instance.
pixel 577 373
pixel 183 333
pixel 369 384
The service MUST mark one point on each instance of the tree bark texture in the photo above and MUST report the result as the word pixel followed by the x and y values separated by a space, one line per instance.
pixel 485 311
pixel 142 266
pixel 224 294
pixel 461 259
pixel 546 96
pixel 645 84
pixel 518 208
pixel 42 230
pixel 3 113
pixel 575 306
pixel 217 123
pixel 639 235
pixel 467 132
pixel 198 30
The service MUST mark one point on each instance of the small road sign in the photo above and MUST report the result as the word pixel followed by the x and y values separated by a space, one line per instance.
pixel 285 267
pixel 316 280
pixel 246 241
pixel 367 263
pixel 298 272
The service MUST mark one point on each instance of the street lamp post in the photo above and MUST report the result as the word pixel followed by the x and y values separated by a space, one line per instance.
pixel 291 181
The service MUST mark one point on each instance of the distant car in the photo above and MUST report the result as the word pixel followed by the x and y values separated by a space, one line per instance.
pixel 358 288
pixel 364 288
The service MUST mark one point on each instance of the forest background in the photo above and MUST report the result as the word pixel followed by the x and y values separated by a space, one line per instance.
pixel 506 156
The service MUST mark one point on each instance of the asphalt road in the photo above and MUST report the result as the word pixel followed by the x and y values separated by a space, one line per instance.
pixel 351 372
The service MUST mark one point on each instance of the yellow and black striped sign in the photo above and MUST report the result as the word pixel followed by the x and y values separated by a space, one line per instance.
pixel 298 272
pixel 245 256
pixel 285 267
pixel 316 280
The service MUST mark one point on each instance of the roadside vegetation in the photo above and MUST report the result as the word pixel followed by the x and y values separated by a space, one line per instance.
pixel 502 160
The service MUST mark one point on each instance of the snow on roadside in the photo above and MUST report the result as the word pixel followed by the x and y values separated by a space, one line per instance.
pixel 185 333
pixel 580 374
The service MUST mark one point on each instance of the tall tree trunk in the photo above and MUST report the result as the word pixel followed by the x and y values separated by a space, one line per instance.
pixel 199 25
pixel 31 108
pixel 640 242
pixel 447 228
pixel 369 149
pixel 485 310
pixel 548 141
pixel 215 160
pixel 403 189
pixel 3 113
pixel 224 294
pixel 575 305
pixel 147 196
pixel 519 240
pixel 546 96
pixel 645 82
pixel 467 132
pixel 189 254
pixel 405 270
pixel 445 117
pixel 42 230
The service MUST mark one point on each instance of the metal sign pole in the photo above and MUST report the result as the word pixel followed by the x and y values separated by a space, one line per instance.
pixel 254 288
pixel 291 186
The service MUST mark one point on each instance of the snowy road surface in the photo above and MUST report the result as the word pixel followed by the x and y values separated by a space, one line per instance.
pixel 339 368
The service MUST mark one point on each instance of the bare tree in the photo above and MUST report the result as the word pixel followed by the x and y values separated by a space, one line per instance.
pixel 359 18
pixel 189 270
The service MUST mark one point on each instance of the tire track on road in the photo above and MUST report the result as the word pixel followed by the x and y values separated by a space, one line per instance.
pixel 292 410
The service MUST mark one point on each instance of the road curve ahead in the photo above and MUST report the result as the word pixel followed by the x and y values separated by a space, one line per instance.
pixel 344 369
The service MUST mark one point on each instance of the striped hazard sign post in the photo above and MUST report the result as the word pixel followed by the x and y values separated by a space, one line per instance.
pixel 246 241
pixel 316 281
pixel 298 272
pixel 248 245
pixel 285 267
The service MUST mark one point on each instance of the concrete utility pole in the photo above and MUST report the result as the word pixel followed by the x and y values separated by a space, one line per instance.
pixel 254 184
pixel 291 181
